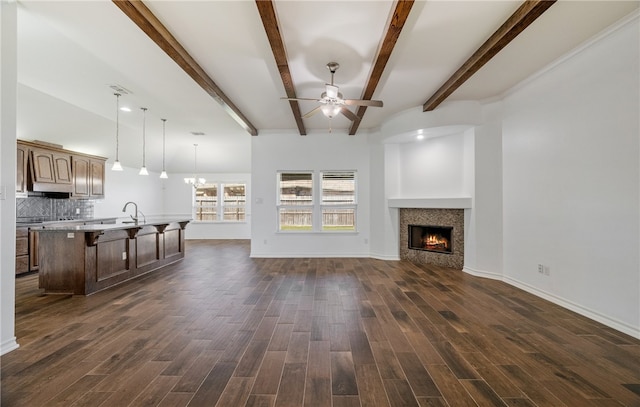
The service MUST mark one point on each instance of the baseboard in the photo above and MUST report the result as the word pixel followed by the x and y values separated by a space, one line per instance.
pixel 254 255
pixel 388 257
pixel 591 314
pixel 482 273
pixel 8 346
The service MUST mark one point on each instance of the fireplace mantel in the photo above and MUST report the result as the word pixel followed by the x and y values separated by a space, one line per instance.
pixel 430 203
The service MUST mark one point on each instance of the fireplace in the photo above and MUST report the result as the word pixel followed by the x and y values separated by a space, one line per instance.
pixel 431 238
pixel 446 221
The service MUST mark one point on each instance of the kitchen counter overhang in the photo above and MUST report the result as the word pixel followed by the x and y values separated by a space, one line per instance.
pixel 84 259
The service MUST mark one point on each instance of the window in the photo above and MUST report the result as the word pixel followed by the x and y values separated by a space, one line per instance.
pixel 295 201
pixel 338 200
pixel 206 207
pixel 334 209
pixel 220 202
pixel 234 202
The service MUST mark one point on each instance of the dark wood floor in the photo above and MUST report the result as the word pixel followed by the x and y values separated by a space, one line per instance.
pixel 219 328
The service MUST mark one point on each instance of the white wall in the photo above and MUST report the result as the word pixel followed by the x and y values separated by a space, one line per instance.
pixel 435 168
pixel 383 164
pixel 571 182
pixel 483 234
pixel 8 85
pixel 178 201
pixel 127 185
pixel 316 152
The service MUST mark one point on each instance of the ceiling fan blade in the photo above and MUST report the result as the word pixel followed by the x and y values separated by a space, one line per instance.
pixel 311 112
pixel 332 91
pixel 360 102
pixel 313 99
pixel 348 113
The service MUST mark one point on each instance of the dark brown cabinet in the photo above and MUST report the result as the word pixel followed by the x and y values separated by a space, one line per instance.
pixel 81 176
pixel 22 250
pixel 96 180
pixel 50 168
pixel 50 171
pixel 21 173
pixel 88 177
pixel 99 257
pixel 33 250
pixel 33 237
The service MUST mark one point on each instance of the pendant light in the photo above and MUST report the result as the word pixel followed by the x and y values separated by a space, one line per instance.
pixel 163 174
pixel 116 163
pixel 195 180
pixel 143 169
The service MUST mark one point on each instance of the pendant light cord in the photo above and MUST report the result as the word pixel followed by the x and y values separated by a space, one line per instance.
pixel 117 124
pixel 195 161
pixel 144 114
pixel 164 122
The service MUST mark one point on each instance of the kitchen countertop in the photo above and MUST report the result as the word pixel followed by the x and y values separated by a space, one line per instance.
pixel 32 224
pixel 120 224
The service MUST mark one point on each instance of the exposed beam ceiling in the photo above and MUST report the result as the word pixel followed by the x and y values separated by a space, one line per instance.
pixel 397 19
pixel 270 22
pixel 149 23
pixel 72 52
pixel 526 14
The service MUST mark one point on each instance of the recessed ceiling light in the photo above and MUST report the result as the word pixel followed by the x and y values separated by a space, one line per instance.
pixel 197 133
pixel 125 109
pixel 420 136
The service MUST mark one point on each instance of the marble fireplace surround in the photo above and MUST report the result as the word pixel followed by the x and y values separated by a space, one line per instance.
pixel 432 212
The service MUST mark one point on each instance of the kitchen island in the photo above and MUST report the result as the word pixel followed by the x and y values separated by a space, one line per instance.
pixel 84 259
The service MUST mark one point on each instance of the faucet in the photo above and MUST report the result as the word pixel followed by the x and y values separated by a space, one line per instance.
pixel 136 208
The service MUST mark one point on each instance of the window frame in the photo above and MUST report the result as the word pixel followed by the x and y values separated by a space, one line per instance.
pixel 353 206
pixel 298 206
pixel 316 205
pixel 220 206
pixel 224 205
pixel 196 211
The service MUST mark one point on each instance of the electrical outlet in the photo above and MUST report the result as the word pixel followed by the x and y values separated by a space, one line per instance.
pixel 547 272
pixel 265 241
pixel 124 255
pixel 540 269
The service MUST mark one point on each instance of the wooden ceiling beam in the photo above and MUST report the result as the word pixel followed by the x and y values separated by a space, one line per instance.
pixel 397 19
pixel 270 22
pixel 526 14
pixel 149 23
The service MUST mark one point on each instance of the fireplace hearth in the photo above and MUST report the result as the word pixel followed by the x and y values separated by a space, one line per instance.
pixel 431 238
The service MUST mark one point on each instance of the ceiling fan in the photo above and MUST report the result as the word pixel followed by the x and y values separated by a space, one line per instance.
pixel 331 101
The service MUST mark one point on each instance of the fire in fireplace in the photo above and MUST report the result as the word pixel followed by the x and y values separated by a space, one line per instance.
pixel 431 238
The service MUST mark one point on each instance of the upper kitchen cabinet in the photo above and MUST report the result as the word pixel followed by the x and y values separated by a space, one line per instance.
pixel 88 177
pixel 50 168
pixel 50 171
pixel 21 173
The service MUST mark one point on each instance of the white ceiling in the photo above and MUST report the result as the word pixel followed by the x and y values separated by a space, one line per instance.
pixel 69 53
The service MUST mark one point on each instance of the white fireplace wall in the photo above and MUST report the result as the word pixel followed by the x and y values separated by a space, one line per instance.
pixel 435 168
pixel 483 248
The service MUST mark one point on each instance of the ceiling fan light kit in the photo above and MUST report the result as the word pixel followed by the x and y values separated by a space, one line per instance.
pixel 332 102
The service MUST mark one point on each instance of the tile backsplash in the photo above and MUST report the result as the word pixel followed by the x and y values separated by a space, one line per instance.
pixel 53 209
